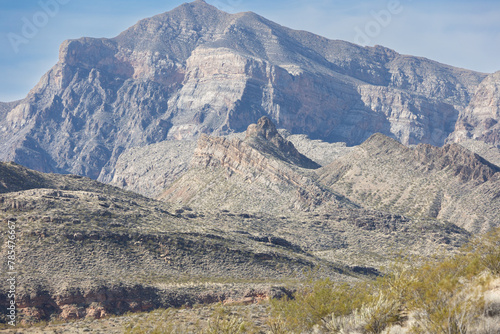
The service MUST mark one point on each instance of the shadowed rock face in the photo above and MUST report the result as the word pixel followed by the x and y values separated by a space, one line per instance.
pixel 265 129
pixel 198 70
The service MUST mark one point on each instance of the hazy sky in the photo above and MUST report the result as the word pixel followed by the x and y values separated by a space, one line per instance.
pixel 463 33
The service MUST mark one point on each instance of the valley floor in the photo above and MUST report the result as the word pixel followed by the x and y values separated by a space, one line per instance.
pixel 202 319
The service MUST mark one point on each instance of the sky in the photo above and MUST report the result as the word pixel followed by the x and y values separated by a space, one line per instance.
pixel 462 33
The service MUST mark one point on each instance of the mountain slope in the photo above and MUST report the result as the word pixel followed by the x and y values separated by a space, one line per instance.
pixel 85 249
pixel 198 70
pixel 487 151
pixel 264 172
pixel 89 249
pixel 449 183
pixel 151 169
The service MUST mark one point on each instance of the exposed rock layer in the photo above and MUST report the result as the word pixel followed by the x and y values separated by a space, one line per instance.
pixel 448 183
pixel 86 249
pixel 199 70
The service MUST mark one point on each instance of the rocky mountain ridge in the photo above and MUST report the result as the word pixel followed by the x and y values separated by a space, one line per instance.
pixel 197 70
pixel 265 138
pixel 149 170
pixel 448 183
pixel 264 167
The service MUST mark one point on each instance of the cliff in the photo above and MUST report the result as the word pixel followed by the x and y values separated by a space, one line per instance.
pixel 198 70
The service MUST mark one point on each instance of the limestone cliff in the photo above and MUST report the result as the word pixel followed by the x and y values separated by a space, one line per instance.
pixel 198 70
pixel 480 120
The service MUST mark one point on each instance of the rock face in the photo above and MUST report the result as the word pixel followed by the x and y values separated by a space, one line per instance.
pixel 480 119
pixel 198 70
pixel 264 137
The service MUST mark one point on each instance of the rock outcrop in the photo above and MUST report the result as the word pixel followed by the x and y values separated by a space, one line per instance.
pixel 480 121
pixel 264 137
pixel 263 172
pixel 447 183
pixel 198 70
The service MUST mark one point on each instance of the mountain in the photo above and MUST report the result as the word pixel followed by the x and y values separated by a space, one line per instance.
pixel 149 170
pixel 448 183
pixel 197 70
pixel 86 249
pixel 264 172
pixel 371 160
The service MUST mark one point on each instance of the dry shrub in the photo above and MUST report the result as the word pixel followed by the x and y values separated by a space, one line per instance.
pixel 316 302
pixel 444 294
pixel 372 317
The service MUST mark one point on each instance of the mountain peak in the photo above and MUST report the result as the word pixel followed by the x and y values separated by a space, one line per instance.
pixel 264 137
pixel 197 69
pixel 379 143
pixel 264 128
pixel 201 3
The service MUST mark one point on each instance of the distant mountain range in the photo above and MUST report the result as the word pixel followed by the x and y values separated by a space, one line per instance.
pixel 197 70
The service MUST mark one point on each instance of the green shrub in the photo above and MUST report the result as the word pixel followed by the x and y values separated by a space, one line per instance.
pixel 443 295
pixel 318 301
pixel 485 251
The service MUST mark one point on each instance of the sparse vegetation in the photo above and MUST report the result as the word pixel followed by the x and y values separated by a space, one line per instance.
pixel 216 319
pixel 445 294
pixel 440 295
